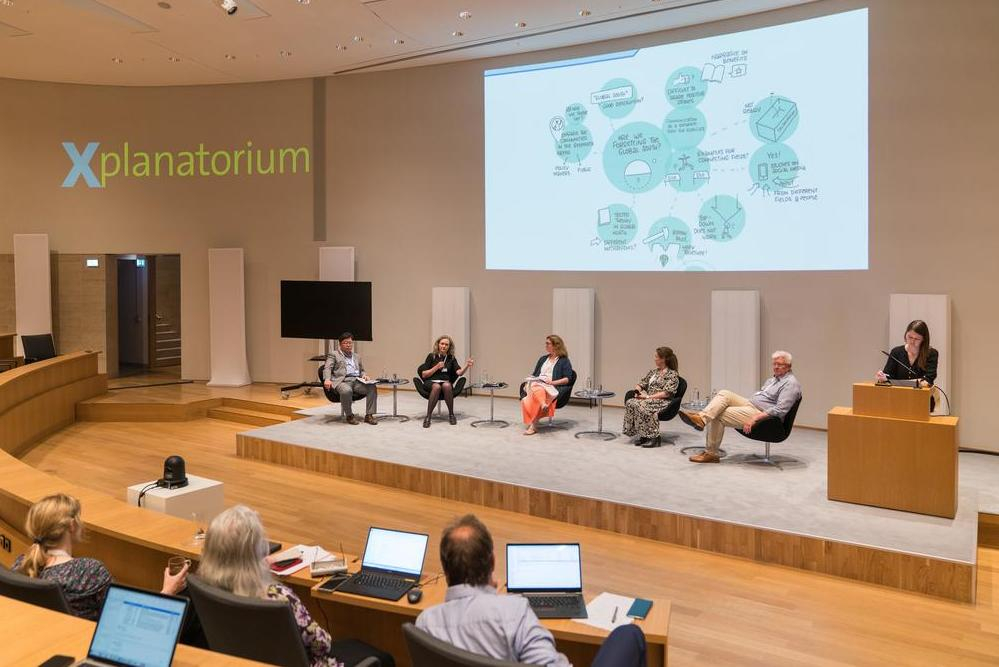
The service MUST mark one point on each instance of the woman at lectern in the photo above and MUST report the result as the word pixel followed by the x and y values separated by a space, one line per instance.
pixel 915 360
pixel 653 393
pixel 548 383
pixel 440 373
pixel 55 526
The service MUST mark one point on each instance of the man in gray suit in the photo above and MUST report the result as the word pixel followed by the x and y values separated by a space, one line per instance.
pixel 343 374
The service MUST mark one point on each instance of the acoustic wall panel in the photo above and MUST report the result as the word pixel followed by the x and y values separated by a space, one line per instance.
pixel 573 318
pixel 934 309
pixel 227 318
pixel 336 263
pixel 735 341
pixel 451 314
pixel 32 287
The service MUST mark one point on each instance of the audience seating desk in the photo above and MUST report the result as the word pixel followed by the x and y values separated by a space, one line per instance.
pixel 135 543
pixel 380 622
pixel 888 451
pixel 30 635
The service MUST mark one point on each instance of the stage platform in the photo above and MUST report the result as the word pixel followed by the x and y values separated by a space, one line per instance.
pixel 765 514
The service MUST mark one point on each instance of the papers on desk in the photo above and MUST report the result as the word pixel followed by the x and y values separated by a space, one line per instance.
pixel 600 613
pixel 308 555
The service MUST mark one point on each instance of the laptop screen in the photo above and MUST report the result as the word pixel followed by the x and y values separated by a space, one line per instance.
pixel 137 628
pixel 395 550
pixel 543 567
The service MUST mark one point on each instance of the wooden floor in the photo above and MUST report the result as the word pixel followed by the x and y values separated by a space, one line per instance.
pixel 726 611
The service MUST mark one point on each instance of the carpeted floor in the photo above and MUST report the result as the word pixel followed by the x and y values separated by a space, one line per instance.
pixel 791 500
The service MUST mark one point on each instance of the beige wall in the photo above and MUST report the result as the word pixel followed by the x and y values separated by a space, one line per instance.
pixel 406 170
pixel 7 321
pixel 79 305
pixel 269 216
pixel 405 180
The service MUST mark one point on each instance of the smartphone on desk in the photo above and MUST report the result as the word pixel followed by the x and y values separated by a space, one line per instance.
pixel 640 608
pixel 285 564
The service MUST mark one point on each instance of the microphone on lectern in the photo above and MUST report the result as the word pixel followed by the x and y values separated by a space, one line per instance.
pixel 903 365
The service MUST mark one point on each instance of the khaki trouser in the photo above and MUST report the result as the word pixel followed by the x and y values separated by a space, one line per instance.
pixel 725 409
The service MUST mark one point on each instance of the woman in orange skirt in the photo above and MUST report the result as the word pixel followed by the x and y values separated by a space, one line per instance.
pixel 552 373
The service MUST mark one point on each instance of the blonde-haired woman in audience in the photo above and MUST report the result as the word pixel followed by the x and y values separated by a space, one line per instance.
pixel 234 559
pixel 54 526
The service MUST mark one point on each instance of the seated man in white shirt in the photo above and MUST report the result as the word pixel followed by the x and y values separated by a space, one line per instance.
pixel 476 618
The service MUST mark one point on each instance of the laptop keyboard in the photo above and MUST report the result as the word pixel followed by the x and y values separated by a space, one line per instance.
pixel 380 581
pixel 558 601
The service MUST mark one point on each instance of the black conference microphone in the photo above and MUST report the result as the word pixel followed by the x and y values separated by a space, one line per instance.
pixel 903 365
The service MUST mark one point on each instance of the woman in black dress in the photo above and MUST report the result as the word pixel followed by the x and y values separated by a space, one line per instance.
pixel 439 373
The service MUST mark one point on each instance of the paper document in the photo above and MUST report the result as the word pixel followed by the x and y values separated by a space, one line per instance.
pixel 308 555
pixel 608 611
pixel 531 379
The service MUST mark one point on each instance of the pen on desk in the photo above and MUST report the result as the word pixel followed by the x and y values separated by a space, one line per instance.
pixel 614 617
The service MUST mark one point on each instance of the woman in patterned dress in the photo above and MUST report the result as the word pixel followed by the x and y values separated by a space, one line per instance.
pixel 54 525
pixel 641 413
pixel 234 559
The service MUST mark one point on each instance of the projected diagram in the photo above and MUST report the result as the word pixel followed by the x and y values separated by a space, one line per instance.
pixel 644 159
pixel 738 152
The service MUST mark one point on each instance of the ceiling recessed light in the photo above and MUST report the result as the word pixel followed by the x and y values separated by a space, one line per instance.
pixel 464 14
pixel 117 60
pixel 520 24
pixel 358 38
pixel 399 41
pixel 341 47
pixel 229 56
pixel 457 33
pixel 584 12
pixel 164 5
pixel 304 2
pixel 284 54
pixel 174 59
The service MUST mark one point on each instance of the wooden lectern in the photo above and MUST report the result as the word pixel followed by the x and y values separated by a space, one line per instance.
pixel 888 451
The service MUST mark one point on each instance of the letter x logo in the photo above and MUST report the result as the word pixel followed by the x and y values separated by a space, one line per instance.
pixel 81 165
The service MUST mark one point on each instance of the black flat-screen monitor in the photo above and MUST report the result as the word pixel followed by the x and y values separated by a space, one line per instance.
pixel 324 309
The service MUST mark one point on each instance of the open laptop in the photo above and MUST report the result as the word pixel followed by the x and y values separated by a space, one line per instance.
pixel 392 564
pixel 136 628
pixel 550 576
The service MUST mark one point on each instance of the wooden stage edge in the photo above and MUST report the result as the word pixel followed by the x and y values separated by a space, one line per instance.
pixel 909 572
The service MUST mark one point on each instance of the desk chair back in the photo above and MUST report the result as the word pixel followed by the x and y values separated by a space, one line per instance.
pixel 428 651
pixel 38 347
pixel 262 630
pixel 773 430
pixel 40 592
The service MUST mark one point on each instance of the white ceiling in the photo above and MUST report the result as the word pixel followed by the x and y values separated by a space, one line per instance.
pixel 139 42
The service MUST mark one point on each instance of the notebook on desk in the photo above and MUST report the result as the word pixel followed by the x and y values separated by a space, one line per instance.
pixel 392 564
pixel 550 576
pixel 136 628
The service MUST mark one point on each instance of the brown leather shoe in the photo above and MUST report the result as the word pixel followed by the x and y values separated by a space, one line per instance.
pixel 692 419
pixel 705 457
pixel 370 419
pixel 352 420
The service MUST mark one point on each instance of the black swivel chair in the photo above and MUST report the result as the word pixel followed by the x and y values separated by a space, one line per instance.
pixel 40 592
pixel 772 430
pixel 428 651
pixel 331 395
pixel 423 387
pixel 562 400
pixel 668 412
pixel 261 630
pixel 38 347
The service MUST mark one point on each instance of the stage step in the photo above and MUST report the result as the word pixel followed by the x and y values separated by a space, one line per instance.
pixel 247 416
